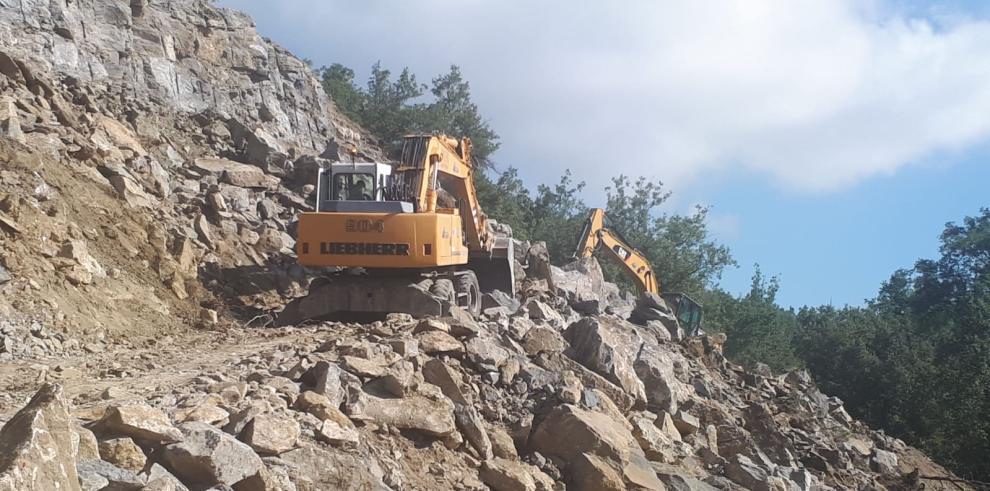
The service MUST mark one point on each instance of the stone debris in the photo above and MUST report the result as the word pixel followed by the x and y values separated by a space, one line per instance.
pixel 155 157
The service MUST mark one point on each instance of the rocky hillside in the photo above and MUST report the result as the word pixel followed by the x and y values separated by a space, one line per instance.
pixel 154 154
pixel 152 158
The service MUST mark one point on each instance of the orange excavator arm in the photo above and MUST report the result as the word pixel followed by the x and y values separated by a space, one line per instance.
pixel 440 159
pixel 598 236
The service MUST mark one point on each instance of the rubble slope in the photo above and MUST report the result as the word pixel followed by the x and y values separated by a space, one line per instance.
pixel 152 157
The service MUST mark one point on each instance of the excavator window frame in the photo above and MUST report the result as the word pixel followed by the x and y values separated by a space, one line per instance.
pixel 335 181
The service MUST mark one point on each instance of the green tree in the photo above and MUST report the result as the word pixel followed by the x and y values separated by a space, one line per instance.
pixel 388 110
pixel 684 255
pixel 507 200
pixel 391 107
pixel 338 83
pixel 558 217
pixel 454 112
pixel 758 331
pixel 916 360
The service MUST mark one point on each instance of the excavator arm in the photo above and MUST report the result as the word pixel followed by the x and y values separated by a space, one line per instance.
pixel 598 236
pixel 444 163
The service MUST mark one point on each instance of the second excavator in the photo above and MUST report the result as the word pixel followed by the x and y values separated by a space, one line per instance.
pixel 598 235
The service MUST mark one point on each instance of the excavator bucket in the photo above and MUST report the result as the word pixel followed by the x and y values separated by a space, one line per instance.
pixel 495 269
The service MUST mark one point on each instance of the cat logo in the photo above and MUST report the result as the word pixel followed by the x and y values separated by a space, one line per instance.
pixel 364 225
pixel 621 252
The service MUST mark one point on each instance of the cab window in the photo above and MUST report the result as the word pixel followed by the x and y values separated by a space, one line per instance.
pixel 353 187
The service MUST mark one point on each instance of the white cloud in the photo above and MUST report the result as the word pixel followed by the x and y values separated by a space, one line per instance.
pixel 816 95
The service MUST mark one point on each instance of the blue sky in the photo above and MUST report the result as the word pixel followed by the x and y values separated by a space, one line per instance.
pixel 832 138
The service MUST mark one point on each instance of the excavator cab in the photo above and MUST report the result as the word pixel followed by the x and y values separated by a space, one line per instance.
pixel 357 187
pixel 686 309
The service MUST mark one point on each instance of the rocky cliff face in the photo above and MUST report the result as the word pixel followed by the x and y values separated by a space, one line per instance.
pixel 152 158
pixel 181 58
pixel 155 155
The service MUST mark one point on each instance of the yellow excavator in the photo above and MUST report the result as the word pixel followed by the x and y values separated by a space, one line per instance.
pixel 412 237
pixel 598 235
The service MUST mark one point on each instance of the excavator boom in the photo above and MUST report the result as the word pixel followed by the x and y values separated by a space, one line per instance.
pixel 597 235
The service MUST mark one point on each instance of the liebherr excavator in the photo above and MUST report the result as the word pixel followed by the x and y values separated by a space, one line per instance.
pixel 597 235
pixel 412 237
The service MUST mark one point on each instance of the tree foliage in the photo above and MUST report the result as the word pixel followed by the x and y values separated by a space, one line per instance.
pixel 683 254
pixel 914 361
pixel 391 107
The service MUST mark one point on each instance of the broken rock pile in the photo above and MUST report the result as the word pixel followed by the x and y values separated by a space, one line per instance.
pixel 516 400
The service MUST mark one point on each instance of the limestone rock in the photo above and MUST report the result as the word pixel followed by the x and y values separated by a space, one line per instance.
pixel 268 434
pixel 414 413
pixel 139 421
pixel 884 462
pixel 508 475
pixel 609 348
pixel 582 283
pixel 324 378
pixel 123 453
pixel 89 447
pixel 36 449
pixel 335 434
pixel 208 456
pixel 655 368
pixel 743 471
pixel 543 339
pixel 436 342
pixel 473 429
pixel 581 437
pixel 115 478
pixel 438 373
pixel 326 468
pixel 160 479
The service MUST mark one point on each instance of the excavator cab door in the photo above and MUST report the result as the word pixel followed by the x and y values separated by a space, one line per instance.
pixel 687 311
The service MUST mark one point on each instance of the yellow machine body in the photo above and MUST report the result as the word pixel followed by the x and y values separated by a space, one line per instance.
pixel 382 240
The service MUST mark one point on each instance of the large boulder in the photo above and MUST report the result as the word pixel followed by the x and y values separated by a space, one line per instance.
pixel 138 421
pixel 511 475
pixel 430 416
pixel 123 453
pixel 655 368
pixel 207 456
pixel 582 283
pixel 324 378
pixel 269 434
pixel 36 445
pixel 608 347
pixel 472 427
pixel 98 474
pixel 596 448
